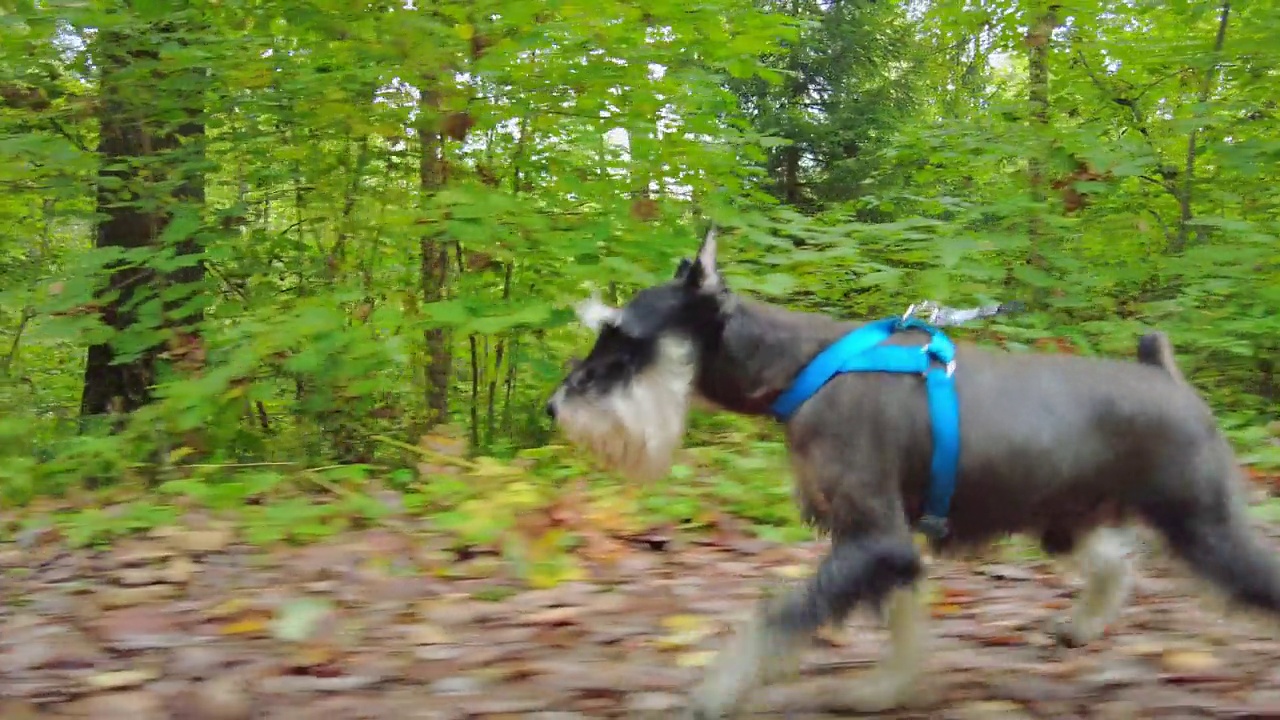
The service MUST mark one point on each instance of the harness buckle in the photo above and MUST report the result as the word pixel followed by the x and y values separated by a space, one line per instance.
pixel 951 368
pixel 933 527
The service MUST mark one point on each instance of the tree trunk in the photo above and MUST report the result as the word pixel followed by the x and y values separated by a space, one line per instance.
pixel 435 256
pixel 1042 25
pixel 1185 210
pixel 133 148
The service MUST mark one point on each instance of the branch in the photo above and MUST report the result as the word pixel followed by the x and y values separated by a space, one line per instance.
pixel 1110 94
pixel 58 128
pixel 28 313
pixel 1188 175
pixel 1164 226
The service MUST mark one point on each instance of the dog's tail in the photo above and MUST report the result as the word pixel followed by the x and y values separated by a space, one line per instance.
pixel 1155 349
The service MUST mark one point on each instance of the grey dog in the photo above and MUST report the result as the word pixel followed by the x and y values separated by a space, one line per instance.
pixel 1074 451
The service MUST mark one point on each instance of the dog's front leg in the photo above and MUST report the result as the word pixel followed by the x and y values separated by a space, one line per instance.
pixel 768 646
pixel 893 681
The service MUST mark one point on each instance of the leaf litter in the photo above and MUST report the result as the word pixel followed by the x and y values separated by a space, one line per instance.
pixel 189 623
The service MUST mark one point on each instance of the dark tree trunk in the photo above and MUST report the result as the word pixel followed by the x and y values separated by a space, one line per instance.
pixel 435 257
pixel 137 143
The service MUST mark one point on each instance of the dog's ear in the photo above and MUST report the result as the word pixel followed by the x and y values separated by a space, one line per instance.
pixel 683 268
pixel 595 314
pixel 702 274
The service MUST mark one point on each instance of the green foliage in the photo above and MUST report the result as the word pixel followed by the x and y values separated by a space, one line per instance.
pixel 302 236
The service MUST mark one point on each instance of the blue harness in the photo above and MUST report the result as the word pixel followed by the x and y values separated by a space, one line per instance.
pixel 861 351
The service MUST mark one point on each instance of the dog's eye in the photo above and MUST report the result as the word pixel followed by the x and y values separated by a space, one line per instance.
pixel 615 367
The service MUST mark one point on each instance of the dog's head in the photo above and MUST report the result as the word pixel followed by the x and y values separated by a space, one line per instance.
pixel 626 402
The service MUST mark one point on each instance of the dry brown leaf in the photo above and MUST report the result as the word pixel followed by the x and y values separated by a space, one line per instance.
pixel 555 616
pixel 179 570
pixel 203 541
pixel 119 597
pixel 427 634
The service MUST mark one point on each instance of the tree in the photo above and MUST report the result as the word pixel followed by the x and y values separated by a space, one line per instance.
pixel 150 195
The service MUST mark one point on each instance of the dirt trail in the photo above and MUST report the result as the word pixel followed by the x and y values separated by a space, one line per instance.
pixel 190 624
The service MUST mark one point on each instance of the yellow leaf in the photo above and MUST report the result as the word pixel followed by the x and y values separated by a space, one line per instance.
pixel 685 630
pixel 120 679
pixel 546 575
pixel 1189 661
pixel 312 656
pixel 794 572
pixel 946 609
pixel 681 640
pixel 247 626
pixel 683 623
pixel 466 31
pixel 695 659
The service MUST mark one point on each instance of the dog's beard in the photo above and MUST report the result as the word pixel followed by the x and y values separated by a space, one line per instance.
pixel 635 429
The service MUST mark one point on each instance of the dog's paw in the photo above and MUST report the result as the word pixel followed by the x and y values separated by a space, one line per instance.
pixel 707 705
pixel 1070 633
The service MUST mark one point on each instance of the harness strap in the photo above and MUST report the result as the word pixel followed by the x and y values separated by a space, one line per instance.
pixel 861 351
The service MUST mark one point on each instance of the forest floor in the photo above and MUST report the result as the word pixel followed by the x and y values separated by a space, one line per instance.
pixel 190 623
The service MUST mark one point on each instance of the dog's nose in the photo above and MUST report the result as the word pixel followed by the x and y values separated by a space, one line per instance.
pixel 551 409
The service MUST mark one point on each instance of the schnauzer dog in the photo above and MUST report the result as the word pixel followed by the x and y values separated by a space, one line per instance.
pixel 1074 451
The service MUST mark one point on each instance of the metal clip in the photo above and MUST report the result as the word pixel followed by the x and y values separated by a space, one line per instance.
pixel 928 305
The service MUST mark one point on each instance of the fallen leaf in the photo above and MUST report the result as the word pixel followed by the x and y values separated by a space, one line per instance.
pixel 555 616
pixel 223 698
pixel 427 634
pixel 246 626
pixel 683 622
pixel 695 659
pixel 945 609
pixel 1189 661
pixel 119 597
pixel 230 608
pixel 313 656
pixel 298 619
pixel 991 710
pixel 179 570
pixel 792 572
pixel 203 541
pixel 1002 640
pixel 132 704
pixel 121 679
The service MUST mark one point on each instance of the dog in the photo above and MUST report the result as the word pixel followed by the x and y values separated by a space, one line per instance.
pixel 1075 451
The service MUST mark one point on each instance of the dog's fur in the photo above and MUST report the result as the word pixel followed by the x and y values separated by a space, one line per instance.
pixel 1068 449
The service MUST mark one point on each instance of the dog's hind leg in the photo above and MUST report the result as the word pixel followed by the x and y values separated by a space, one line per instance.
pixel 1215 540
pixel 768 646
pixel 1106 559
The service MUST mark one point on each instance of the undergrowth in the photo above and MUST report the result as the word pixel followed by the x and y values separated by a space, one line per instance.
pixel 533 508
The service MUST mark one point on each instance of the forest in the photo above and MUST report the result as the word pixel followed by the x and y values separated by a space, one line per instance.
pixel 275 273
